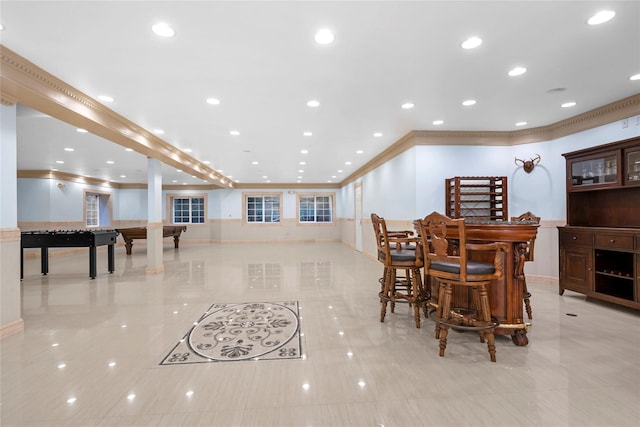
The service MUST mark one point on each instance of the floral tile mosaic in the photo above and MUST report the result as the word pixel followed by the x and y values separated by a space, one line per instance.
pixel 241 332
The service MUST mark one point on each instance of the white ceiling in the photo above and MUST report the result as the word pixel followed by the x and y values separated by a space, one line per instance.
pixel 261 61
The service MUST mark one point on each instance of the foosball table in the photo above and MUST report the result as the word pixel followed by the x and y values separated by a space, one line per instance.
pixel 68 239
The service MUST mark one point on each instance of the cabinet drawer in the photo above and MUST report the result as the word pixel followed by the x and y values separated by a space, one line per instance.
pixel 582 238
pixel 614 241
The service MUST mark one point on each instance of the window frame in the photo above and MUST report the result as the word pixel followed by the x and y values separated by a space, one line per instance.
pixel 245 208
pixel 332 200
pixel 170 211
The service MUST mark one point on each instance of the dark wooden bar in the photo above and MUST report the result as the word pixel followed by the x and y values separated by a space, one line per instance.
pixel 68 239
pixel 129 234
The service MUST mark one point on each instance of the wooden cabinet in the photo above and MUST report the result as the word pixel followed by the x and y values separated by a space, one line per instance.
pixel 576 260
pixel 481 197
pixel 600 245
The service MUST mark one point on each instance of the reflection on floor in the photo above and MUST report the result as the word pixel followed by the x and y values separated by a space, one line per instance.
pixel 90 352
pixel 247 331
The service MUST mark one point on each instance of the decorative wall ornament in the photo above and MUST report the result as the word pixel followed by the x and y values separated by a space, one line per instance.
pixel 528 165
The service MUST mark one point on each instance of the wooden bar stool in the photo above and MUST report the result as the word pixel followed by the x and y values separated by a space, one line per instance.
pixel 399 253
pixel 451 265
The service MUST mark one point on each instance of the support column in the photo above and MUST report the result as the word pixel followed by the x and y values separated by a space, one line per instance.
pixel 10 306
pixel 154 216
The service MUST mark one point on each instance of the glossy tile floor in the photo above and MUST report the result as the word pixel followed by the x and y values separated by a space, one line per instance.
pixel 90 351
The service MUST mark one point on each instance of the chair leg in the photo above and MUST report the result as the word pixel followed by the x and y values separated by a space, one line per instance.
pixel 439 308
pixel 384 294
pixel 391 290
pixel 444 306
pixel 485 314
pixel 416 283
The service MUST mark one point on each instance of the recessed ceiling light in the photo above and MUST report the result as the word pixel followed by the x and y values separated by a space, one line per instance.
pixel 307 133
pixel 299 177
pixel 255 163
pixel 213 101
pixel 82 130
pixel 123 176
pixel 601 17
pixel 298 181
pixel 329 181
pixel 568 104
pixel 347 163
pixel 128 149
pixel 300 170
pixel 377 134
pixel 407 105
pixel 324 36
pixel 175 180
pixel 359 152
pixel 302 163
pixel 188 150
pixel 521 123
pixel 163 30
pixel 333 176
pixel 110 162
pixel 469 102
pixel 178 170
pixel 517 71
pixel 60 162
pixel 471 43
pixel 105 98
pixel 68 149
pixel 234 133
pixel 206 162
pixel 264 177
pixel 438 122
pixel 158 131
pixel 1 27
pixel 339 170
pixel 313 103
pixel 304 151
pixel 635 77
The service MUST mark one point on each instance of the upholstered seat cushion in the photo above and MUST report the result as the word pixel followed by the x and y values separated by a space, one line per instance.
pixel 400 256
pixel 473 267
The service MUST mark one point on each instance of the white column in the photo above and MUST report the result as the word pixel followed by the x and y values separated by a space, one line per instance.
pixel 10 306
pixel 154 216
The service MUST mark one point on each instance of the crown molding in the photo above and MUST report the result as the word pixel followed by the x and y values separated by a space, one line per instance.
pixel 23 82
pixel 618 110
pixel 279 186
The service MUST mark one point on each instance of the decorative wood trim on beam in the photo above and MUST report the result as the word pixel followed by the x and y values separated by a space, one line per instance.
pixel 64 176
pixel 23 82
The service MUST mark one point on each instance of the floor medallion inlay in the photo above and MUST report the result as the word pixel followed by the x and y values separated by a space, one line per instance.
pixel 247 331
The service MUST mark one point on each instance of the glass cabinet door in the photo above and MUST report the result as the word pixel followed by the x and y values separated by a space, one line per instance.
pixel 599 170
pixel 632 166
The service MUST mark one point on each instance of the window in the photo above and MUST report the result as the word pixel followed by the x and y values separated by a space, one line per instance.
pixel 188 210
pixel 315 208
pixel 263 208
pixel 97 208
pixel 92 209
